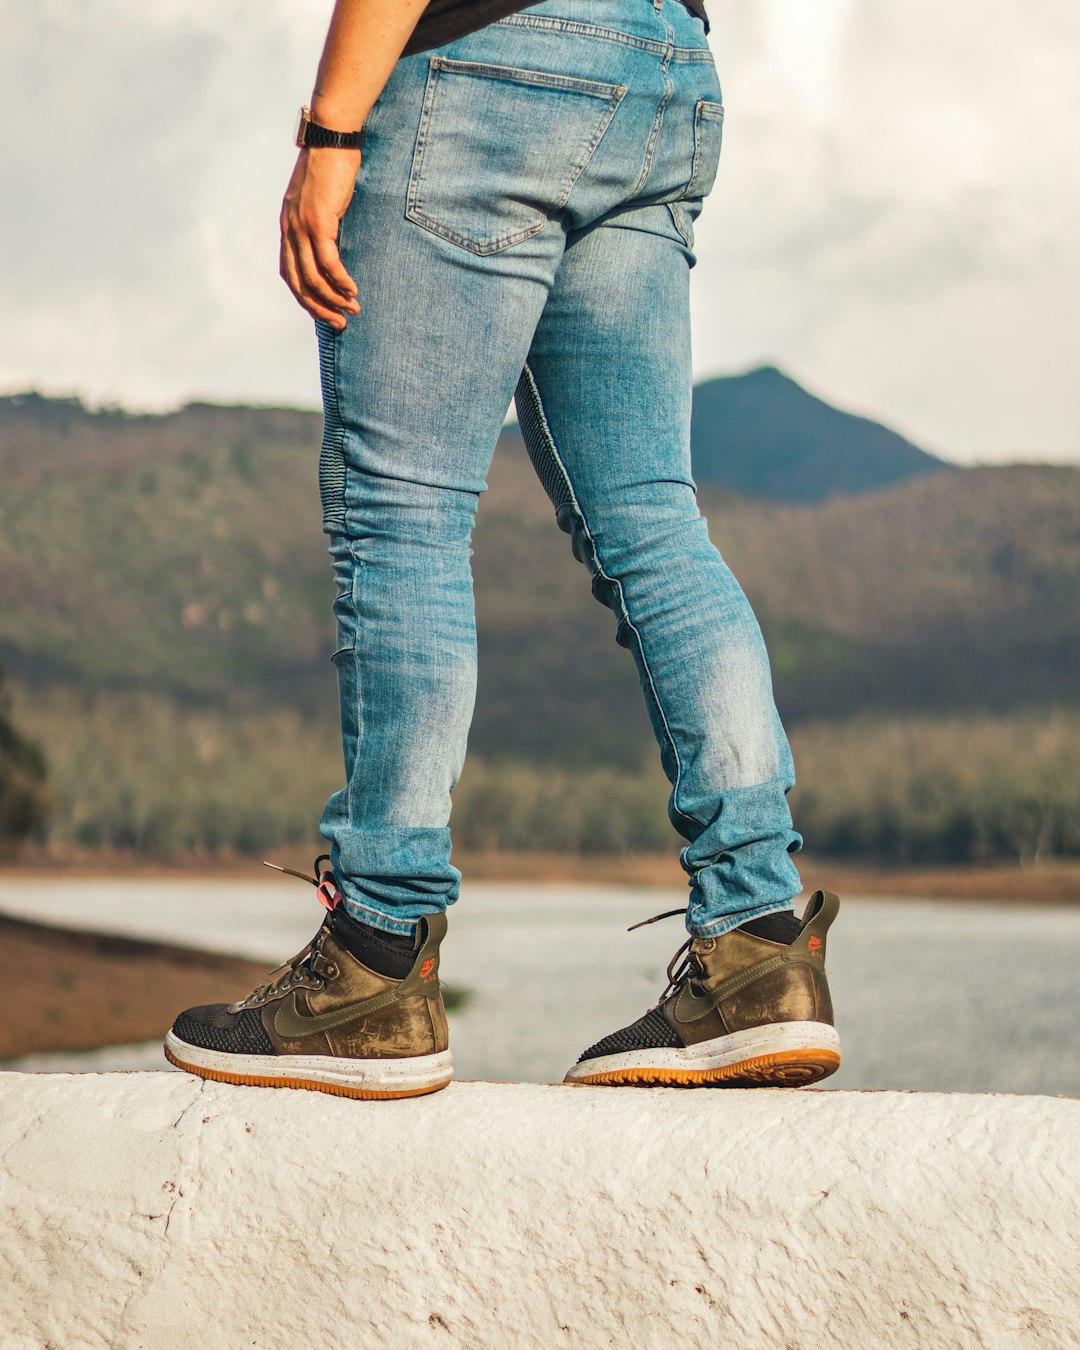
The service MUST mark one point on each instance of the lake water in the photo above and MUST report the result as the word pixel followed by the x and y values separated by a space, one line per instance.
pixel 929 995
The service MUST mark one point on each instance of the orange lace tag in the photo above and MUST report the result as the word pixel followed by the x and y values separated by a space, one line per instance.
pixel 327 890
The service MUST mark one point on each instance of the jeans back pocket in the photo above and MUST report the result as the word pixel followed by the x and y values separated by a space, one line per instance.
pixel 708 137
pixel 499 149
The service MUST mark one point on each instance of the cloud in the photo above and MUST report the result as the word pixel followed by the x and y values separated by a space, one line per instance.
pixel 142 241
pixel 892 222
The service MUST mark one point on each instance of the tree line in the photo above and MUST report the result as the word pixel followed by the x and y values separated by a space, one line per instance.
pixel 141 772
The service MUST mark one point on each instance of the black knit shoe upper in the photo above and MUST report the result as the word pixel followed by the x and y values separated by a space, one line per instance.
pixel 212 1027
pixel 647 1033
pixel 653 1031
pixel 239 1030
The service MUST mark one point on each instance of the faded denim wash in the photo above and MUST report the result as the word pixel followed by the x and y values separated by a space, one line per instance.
pixel 523 226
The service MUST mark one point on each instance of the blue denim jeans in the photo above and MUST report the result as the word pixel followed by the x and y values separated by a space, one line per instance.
pixel 523 226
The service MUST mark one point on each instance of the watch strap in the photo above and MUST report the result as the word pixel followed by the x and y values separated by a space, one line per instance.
pixel 311 134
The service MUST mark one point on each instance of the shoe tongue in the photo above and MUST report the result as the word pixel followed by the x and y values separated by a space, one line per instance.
pixel 698 954
pixel 710 954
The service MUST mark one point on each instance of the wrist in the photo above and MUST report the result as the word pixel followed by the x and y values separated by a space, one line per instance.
pixel 337 114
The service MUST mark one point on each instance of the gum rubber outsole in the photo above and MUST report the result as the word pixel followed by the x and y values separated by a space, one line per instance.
pixel 335 1089
pixel 787 1068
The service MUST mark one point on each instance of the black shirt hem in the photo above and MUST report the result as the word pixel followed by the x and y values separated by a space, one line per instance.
pixel 445 20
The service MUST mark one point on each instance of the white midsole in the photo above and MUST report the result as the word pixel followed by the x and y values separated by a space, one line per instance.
pixel 719 1053
pixel 384 1074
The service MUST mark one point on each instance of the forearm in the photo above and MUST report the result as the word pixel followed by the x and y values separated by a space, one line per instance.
pixel 363 43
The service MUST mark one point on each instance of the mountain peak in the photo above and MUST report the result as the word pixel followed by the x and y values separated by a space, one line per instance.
pixel 763 435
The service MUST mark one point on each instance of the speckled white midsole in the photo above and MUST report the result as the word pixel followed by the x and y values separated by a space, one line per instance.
pixel 720 1053
pixel 414 1074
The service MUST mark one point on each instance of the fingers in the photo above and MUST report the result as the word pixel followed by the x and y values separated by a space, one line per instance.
pixel 328 260
pixel 318 195
pixel 290 274
pixel 312 269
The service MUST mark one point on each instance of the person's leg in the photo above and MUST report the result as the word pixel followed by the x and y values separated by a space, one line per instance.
pixel 604 402
pixel 454 235
pixel 604 405
pixel 618 141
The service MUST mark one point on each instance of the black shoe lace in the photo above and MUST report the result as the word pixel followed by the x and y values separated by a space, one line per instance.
pixel 677 974
pixel 308 967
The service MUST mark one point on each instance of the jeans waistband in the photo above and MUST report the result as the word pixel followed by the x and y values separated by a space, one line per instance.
pixel 663 26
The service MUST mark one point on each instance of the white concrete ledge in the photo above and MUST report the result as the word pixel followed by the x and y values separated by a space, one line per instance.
pixel 154 1210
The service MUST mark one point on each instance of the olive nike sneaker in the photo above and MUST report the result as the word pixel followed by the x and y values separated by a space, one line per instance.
pixel 748 1009
pixel 358 1013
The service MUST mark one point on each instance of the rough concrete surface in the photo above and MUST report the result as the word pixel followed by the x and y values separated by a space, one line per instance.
pixel 157 1210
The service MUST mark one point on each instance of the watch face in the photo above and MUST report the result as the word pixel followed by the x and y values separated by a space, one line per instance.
pixel 302 119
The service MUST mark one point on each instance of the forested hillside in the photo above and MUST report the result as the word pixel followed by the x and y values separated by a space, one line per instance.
pixel 192 562
pixel 167 577
pixel 23 798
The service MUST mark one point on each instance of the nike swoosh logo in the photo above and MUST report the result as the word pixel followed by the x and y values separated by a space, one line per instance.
pixel 291 1024
pixel 691 1007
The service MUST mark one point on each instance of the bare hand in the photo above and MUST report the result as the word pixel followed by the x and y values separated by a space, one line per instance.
pixel 318 195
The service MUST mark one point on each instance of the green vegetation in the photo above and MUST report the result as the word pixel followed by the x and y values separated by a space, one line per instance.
pixel 139 771
pixel 920 789
pixel 167 615
pixel 144 773
pixel 23 798
pixel 183 554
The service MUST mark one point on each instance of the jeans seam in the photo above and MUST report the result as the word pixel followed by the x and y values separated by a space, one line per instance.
pixel 528 75
pixel 357 565
pixel 386 924
pixel 728 922
pixel 658 122
pixel 545 430
pixel 685 230
pixel 606 34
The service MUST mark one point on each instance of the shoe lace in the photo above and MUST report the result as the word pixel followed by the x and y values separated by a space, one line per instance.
pixel 309 966
pixel 322 878
pixel 683 966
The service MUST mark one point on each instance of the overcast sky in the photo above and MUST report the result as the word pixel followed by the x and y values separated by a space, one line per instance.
pixel 894 222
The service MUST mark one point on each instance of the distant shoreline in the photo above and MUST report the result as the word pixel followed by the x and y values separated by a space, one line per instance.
pixel 73 991
pixel 1056 881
